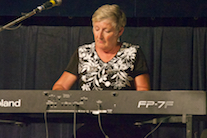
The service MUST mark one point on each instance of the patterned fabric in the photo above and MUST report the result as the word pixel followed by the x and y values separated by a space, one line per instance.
pixel 116 74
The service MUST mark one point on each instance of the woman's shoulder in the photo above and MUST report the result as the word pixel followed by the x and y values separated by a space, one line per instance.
pixel 91 45
pixel 129 45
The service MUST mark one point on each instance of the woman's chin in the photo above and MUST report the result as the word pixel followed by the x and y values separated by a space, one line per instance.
pixel 100 45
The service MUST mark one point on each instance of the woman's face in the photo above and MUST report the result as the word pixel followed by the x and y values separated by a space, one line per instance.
pixel 105 35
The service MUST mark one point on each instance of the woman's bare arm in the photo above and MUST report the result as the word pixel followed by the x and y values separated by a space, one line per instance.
pixel 65 82
pixel 142 82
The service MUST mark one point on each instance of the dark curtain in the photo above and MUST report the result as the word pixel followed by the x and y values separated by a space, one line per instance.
pixel 33 57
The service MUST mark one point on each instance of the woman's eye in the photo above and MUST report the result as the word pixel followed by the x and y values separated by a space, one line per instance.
pixel 96 28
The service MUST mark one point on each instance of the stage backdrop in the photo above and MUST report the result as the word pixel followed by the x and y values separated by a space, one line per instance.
pixel 132 8
pixel 33 57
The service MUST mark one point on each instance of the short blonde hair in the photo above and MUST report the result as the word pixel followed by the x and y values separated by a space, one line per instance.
pixel 112 12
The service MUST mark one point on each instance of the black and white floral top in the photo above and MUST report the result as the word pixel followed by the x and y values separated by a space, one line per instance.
pixel 117 74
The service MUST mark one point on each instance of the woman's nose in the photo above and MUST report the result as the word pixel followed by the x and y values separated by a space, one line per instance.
pixel 100 34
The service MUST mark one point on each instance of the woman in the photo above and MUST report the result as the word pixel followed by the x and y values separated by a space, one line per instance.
pixel 106 64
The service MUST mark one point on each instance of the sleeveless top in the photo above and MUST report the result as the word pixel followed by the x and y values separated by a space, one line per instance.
pixel 117 74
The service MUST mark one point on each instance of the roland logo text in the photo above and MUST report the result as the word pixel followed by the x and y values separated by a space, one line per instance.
pixel 5 103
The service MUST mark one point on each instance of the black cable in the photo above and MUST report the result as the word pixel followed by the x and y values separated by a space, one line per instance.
pixel 156 127
pixel 99 123
pixel 46 124
pixel 74 122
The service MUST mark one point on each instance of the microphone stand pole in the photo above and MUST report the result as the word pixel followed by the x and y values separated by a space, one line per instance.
pixel 20 19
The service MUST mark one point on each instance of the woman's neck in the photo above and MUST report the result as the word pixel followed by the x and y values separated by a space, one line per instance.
pixel 107 55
